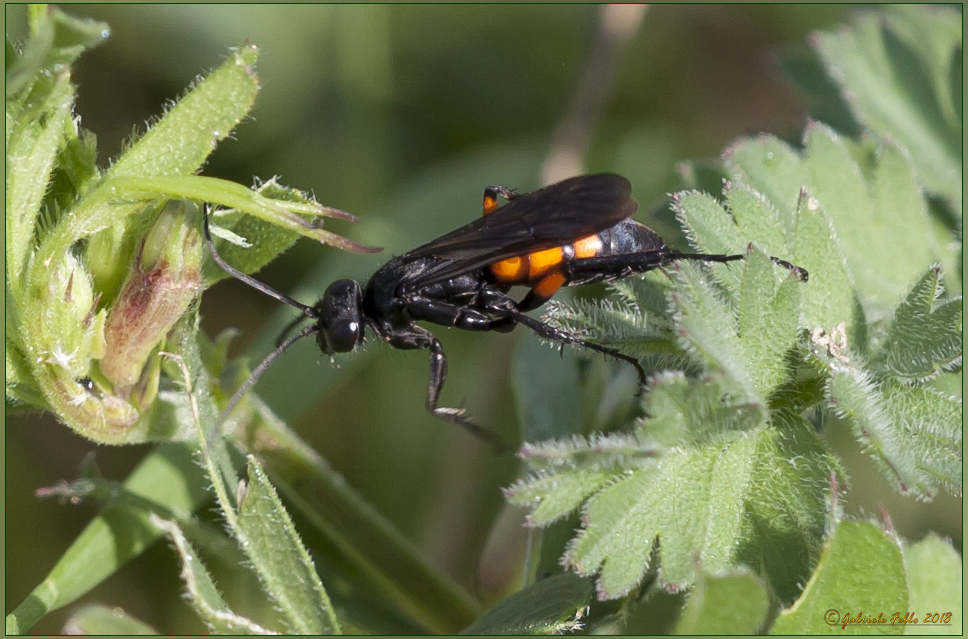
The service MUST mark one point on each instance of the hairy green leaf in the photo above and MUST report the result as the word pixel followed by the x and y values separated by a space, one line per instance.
pixel 772 168
pixel 787 503
pixel 913 433
pixel 749 343
pixel 35 141
pixel 201 591
pixel 619 530
pixel 768 315
pixel 728 493
pixel 930 434
pixel 925 336
pixel 278 555
pixel 757 220
pixel 682 411
pixel 256 518
pixel 181 141
pixel 710 229
pixel 552 496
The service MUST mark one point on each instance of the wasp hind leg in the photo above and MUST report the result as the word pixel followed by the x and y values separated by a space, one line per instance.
pixel 551 333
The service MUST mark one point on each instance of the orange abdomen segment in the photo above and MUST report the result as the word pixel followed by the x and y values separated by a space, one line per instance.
pixel 588 246
pixel 531 268
pixel 511 271
pixel 528 269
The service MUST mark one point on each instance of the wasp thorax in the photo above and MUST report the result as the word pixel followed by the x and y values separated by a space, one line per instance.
pixel 340 317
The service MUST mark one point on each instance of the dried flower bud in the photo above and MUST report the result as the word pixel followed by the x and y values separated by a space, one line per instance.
pixel 164 279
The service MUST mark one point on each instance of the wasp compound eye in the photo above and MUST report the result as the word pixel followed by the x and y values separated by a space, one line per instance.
pixel 340 315
pixel 344 336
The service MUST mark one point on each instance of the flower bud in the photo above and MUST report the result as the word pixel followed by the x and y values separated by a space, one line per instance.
pixel 163 281
pixel 69 324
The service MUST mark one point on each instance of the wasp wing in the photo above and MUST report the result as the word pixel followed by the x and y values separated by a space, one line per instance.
pixel 553 216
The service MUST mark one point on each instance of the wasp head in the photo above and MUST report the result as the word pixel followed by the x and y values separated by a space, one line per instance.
pixel 340 318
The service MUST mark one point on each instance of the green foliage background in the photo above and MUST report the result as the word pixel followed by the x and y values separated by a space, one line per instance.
pixel 401 115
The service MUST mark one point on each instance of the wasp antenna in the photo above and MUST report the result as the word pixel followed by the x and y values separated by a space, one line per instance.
pixel 308 311
pixel 290 327
pixel 261 368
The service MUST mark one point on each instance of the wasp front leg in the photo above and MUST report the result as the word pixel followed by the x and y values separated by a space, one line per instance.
pixel 438 373
pixel 416 337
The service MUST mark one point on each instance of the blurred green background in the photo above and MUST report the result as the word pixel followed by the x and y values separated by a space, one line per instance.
pixel 401 115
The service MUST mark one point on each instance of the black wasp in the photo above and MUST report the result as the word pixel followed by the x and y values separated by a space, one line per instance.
pixel 578 231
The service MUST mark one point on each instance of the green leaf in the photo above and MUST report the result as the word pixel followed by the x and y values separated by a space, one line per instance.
pixel 693 502
pixel 181 141
pixel 202 594
pixel 888 212
pixel 554 605
pixel 925 337
pixel 18 383
pixel 772 168
pixel 787 503
pixel 710 229
pixel 768 315
pixel 828 195
pixel 552 496
pixel 750 343
pixel 169 477
pixel 35 142
pixel 700 519
pixel 256 517
pixel 270 541
pixel 757 220
pixel 828 298
pixel 733 603
pixel 930 435
pixel 94 619
pixel 731 487
pixel 629 324
pixel 620 525
pixel 56 39
pixel 934 580
pixel 893 70
pixel 914 434
pixel 561 393
pixel 707 326
pixel 350 535
pixel 861 573
pixel 694 412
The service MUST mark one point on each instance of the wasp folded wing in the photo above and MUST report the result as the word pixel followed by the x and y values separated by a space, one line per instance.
pixel 553 216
